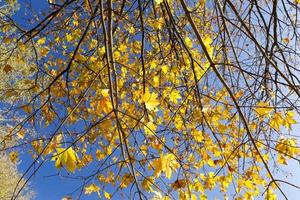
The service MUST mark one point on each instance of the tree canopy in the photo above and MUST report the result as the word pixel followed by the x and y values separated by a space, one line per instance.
pixel 152 99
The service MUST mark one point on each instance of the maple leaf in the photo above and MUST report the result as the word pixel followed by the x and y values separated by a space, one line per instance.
pixel 289 119
pixel 174 96
pixel 69 37
pixel 150 100
pixel 157 164
pixel 166 163
pixel 263 108
pixel 276 121
pixel 270 195
pixel 41 41
pixel 13 156
pixel 126 180
pixel 198 135
pixel 107 195
pixel 147 183
pixel 37 145
pixel 287 146
pixel 158 23
pixel 71 160
pixel 210 181
pixel 122 48
pixel 281 159
pixel 65 157
pixel 100 155
pixel 91 188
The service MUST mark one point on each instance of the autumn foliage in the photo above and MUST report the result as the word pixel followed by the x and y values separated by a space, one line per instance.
pixel 152 99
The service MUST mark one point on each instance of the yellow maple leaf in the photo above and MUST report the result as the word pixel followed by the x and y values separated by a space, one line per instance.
pixel 37 145
pixel 164 69
pixel 53 144
pixel 289 119
pixel 198 135
pixel 248 184
pixel 131 30
pixel 157 164
pixel 122 48
pixel 41 41
pixel 203 197
pixel 91 188
pixel 166 163
pixel 158 23
pixel 126 180
pixel 276 121
pixel 65 157
pixel 270 195
pixel 69 37
pixel 13 156
pixel 107 195
pixel 193 197
pixel 174 96
pixel 287 146
pixel 150 99
pixel 281 159
pixel 100 155
pixel 263 108
pixel 147 183
pixel 103 104
pixel 210 181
